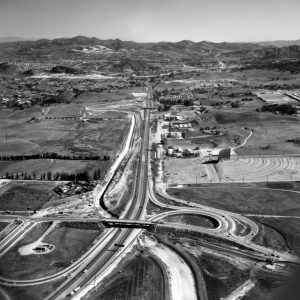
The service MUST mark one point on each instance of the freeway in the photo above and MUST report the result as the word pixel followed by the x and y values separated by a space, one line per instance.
pixel 14 235
pixel 227 220
pixel 98 261
pixel 99 250
pixel 98 264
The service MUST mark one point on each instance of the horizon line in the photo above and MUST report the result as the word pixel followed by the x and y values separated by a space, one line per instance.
pixel 24 39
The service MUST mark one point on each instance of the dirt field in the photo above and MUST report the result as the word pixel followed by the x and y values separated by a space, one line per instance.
pixel 274 286
pixel 188 171
pixel 18 195
pixel 251 169
pixel 221 274
pixel 141 278
pixel 70 240
pixel 63 111
pixel 195 220
pixel 242 198
pixel 275 97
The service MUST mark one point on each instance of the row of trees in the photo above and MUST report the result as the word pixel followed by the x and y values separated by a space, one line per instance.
pixel 53 156
pixel 58 176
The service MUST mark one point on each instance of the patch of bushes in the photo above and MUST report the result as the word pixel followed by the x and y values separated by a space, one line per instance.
pixel 284 109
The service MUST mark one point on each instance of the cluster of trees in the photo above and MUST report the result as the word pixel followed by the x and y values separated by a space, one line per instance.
pixel 63 176
pixel 164 107
pixel 235 104
pixel 284 109
pixel 62 97
pixel 167 103
pixel 59 97
pixel 53 156
pixel 294 140
pixel 97 174
pixel 188 102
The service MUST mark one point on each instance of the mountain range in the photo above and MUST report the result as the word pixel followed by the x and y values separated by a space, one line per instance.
pixel 117 55
pixel 185 47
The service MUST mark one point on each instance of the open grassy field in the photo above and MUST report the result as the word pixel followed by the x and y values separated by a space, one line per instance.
pixel 33 292
pixel 265 76
pixel 288 228
pixel 70 240
pixel 212 141
pixel 270 131
pixel 195 220
pixel 18 195
pixel 241 198
pixel 28 166
pixel 67 137
pixel 270 237
pixel 243 117
pixel 140 278
pixel 90 98
pixel 285 185
pixel 260 169
pixel 3 225
pixel 35 233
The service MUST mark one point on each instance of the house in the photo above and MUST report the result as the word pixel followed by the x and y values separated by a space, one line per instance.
pixel 170 151
pixel 174 135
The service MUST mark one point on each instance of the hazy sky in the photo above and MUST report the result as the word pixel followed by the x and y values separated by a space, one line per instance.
pixel 153 20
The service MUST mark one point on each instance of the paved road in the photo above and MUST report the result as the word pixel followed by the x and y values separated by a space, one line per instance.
pixel 101 188
pixel 111 236
pixel 14 235
pixel 229 224
pixel 104 259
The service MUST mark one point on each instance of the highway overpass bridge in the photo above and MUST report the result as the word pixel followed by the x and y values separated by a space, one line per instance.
pixel 122 223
